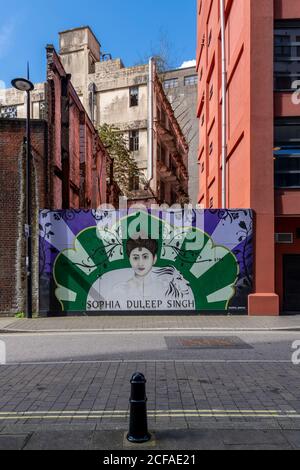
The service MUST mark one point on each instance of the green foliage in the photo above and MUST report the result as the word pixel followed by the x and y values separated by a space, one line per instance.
pixel 20 315
pixel 125 166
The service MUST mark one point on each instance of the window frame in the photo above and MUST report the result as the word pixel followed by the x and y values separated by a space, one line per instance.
pixel 134 96
pixel 282 59
pixel 191 80
pixel 170 83
pixel 134 140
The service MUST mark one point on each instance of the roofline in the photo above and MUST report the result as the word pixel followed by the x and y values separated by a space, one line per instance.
pixel 180 69
pixel 78 29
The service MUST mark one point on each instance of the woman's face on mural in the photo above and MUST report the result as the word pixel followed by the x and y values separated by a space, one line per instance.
pixel 142 261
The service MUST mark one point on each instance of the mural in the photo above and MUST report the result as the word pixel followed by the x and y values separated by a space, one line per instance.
pixel 139 261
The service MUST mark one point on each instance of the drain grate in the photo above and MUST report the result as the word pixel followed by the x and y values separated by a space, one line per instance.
pixel 206 342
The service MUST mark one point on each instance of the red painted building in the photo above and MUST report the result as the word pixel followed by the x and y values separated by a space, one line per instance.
pixel 263 134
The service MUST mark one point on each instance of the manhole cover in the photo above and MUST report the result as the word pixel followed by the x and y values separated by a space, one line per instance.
pixel 206 342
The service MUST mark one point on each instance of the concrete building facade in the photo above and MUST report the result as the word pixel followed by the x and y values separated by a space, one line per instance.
pixel 181 88
pixel 262 48
pixel 117 95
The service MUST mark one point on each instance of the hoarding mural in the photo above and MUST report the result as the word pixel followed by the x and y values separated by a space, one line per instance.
pixel 137 260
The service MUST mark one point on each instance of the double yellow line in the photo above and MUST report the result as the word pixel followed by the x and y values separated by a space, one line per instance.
pixel 104 414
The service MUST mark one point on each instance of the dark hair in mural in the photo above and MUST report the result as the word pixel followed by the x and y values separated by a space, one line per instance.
pixel 140 243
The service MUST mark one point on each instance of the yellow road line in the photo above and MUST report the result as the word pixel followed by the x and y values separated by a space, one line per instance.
pixel 160 414
pixel 90 417
pixel 110 412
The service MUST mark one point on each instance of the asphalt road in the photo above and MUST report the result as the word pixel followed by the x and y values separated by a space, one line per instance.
pixel 150 346
pixel 206 390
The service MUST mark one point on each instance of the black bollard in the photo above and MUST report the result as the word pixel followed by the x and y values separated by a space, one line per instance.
pixel 138 427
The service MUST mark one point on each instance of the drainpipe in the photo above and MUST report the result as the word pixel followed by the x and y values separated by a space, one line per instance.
pixel 224 105
pixel 150 121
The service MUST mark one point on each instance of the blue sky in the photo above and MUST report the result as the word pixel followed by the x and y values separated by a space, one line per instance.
pixel 130 29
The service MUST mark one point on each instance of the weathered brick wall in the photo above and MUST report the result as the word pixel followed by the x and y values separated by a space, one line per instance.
pixel 12 209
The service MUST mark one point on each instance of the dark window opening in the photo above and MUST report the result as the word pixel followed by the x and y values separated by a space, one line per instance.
pixel 134 96
pixel 134 141
pixel 286 54
pixel 163 155
pixel 162 191
pixel 134 183
pixel 173 197
pixel 287 153
pixel 209 38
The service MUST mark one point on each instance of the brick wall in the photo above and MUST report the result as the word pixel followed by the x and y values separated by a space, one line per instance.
pixel 12 209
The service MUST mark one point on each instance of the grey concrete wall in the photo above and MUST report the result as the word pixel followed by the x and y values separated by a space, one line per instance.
pixel 184 102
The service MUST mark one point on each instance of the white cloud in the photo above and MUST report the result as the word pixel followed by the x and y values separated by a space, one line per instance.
pixel 188 63
pixel 2 85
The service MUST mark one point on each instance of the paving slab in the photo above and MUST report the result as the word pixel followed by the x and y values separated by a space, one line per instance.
pixel 6 322
pixel 60 440
pixel 150 322
pixel 254 438
pixel 294 438
pixel 13 441
pixel 168 439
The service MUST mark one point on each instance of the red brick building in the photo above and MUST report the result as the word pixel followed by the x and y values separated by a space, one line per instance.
pixel 69 165
pixel 262 40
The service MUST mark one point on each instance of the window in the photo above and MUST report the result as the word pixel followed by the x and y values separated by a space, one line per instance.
pixel 163 119
pixel 201 74
pixel 173 197
pixel 163 155
pixel 8 112
pixel 134 96
pixel 134 143
pixel 42 110
pixel 286 54
pixel 211 203
pixel 158 115
pixel 287 152
pixel 134 183
pixel 209 38
pixel 191 80
pixel 173 167
pixel 211 92
pixel 202 167
pixel 171 83
pixel 211 148
pixel 162 191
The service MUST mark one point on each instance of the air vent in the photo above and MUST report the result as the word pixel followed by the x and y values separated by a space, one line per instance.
pixel 284 238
